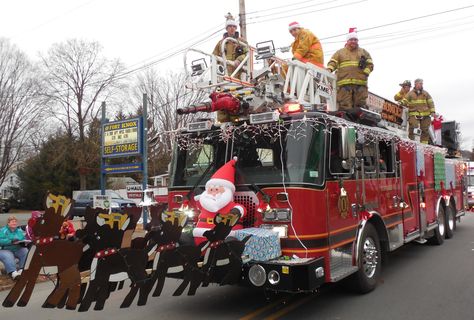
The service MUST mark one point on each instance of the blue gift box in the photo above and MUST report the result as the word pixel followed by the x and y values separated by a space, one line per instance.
pixel 264 244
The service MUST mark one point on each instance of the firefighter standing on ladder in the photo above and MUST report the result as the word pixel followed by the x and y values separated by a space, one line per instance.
pixel 306 47
pixel 353 65
pixel 234 53
pixel 420 109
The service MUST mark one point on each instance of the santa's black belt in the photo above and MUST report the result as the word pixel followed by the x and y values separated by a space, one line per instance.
pixel 211 221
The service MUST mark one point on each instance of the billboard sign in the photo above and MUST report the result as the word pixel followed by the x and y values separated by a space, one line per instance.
pixel 122 138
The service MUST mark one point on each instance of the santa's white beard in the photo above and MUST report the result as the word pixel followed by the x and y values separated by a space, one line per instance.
pixel 215 203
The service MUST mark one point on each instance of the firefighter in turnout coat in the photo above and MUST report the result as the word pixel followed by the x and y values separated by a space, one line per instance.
pixel 353 65
pixel 306 47
pixel 420 109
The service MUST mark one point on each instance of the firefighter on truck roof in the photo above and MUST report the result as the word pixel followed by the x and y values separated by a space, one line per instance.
pixel 353 65
pixel 400 95
pixel 306 47
pixel 234 53
pixel 420 109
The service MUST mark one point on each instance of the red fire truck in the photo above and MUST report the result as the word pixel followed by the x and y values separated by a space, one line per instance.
pixel 341 194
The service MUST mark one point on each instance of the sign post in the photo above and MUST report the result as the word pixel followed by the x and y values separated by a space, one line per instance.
pixel 125 138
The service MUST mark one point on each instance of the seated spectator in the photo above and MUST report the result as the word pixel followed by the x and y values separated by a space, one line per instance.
pixel 10 238
pixel 67 230
pixel 31 222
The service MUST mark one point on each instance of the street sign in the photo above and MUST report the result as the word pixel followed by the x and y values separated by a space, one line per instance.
pixel 102 201
pixel 122 138
pixel 122 168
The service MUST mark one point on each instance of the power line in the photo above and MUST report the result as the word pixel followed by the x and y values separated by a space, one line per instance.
pixel 308 12
pixel 279 7
pixel 290 10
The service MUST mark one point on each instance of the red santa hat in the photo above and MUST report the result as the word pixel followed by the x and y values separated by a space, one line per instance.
pixel 352 34
pixel 293 25
pixel 224 176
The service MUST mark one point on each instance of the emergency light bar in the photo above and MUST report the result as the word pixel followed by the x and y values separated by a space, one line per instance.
pixel 264 117
pixel 199 126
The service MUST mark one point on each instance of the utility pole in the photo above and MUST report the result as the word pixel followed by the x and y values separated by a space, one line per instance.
pixel 243 19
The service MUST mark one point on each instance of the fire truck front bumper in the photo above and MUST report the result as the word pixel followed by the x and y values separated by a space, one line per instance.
pixel 296 275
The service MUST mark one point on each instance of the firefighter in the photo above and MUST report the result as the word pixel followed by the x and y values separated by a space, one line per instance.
pixel 353 65
pixel 306 47
pixel 406 86
pixel 234 53
pixel 420 109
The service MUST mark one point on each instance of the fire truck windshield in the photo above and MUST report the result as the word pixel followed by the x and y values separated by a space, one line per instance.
pixel 293 149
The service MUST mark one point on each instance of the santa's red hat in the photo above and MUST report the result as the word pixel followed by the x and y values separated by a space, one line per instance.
pixel 352 34
pixel 225 176
pixel 293 25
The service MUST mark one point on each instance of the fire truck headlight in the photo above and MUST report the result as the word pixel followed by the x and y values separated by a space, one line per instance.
pixel 257 275
pixel 281 229
pixel 277 214
pixel 274 277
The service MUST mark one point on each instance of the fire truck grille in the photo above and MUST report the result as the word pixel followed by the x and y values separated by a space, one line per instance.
pixel 250 201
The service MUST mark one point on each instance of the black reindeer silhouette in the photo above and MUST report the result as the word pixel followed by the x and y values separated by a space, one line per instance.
pixel 170 257
pixel 112 263
pixel 221 253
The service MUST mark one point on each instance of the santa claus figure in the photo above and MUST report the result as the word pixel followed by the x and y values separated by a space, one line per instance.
pixel 437 126
pixel 217 198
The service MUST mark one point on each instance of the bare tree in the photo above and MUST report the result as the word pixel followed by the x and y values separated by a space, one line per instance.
pixel 77 77
pixel 20 105
pixel 165 95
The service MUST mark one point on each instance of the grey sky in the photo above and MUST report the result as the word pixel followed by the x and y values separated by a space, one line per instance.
pixel 436 48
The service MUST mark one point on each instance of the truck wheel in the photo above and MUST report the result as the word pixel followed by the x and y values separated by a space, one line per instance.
pixel 439 232
pixel 450 222
pixel 370 261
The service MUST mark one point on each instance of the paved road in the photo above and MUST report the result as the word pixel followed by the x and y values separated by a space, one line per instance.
pixel 418 282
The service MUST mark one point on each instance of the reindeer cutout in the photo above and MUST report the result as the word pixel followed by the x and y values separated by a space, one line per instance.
pixel 111 263
pixel 223 257
pixel 170 257
pixel 48 254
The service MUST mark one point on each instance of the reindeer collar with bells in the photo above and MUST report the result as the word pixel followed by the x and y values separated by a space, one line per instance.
pixel 215 244
pixel 43 241
pixel 106 252
pixel 166 247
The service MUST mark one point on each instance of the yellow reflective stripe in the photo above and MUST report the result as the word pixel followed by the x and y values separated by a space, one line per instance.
pixel 333 60
pixel 369 61
pixel 349 64
pixel 367 71
pixel 345 82
pixel 419 113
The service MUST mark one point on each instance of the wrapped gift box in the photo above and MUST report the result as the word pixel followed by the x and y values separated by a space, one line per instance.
pixel 264 244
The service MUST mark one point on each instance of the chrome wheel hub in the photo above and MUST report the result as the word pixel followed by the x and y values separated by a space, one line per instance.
pixel 370 257
pixel 441 222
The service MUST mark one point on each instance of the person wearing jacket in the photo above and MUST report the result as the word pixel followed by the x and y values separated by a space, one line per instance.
pixel 399 96
pixel 420 109
pixel 234 53
pixel 10 236
pixel 353 65
pixel 306 47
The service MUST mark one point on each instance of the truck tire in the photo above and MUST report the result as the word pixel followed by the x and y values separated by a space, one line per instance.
pixel 370 262
pixel 450 222
pixel 439 232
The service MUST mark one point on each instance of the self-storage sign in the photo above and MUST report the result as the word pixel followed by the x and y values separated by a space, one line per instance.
pixel 122 138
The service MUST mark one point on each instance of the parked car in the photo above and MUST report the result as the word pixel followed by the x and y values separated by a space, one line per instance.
pixel 4 206
pixel 86 198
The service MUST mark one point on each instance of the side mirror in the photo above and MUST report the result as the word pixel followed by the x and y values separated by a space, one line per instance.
pixel 348 143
